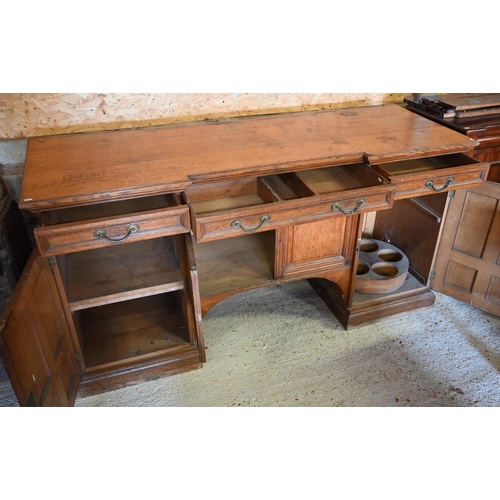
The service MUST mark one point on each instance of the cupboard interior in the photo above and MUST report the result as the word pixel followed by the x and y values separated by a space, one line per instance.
pixel 420 216
pixel 134 329
pixel 243 262
pixel 127 300
pixel 120 272
pixel 137 329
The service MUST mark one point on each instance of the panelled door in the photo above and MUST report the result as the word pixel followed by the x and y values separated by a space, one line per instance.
pixel 35 343
pixel 468 259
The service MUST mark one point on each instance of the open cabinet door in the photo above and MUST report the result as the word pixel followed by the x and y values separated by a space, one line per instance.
pixel 468 261
pixel 35 343
pixel 194 286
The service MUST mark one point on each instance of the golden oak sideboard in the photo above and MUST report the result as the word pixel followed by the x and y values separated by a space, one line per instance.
pixel 141 232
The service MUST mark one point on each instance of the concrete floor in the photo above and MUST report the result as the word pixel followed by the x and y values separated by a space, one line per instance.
pixel 281 346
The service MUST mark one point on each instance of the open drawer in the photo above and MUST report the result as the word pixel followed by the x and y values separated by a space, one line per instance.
pixel 433 175
pixel 232 208
pixel 96 226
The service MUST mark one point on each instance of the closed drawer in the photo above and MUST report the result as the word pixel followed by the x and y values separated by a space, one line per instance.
pixel 233 208
pixel 432 175
pixel 98 226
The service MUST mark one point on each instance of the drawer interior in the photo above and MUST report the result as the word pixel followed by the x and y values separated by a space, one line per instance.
pixel 422 165
pixel 331 180
pixel 120 272
pixel 240 193
pixel 111 209
pixel 229 195
pixel 122 331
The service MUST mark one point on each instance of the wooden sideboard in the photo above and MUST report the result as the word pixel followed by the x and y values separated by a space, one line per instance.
pixel 142 232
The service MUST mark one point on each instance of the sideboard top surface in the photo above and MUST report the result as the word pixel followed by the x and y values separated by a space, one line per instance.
pixel 79 169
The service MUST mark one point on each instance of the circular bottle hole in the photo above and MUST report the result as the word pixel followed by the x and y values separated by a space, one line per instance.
pixel 368 246
pixel 362 269
pixel 390 255
pixel 386 270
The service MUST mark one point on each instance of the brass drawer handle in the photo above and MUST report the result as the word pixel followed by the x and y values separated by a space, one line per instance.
pixel 101 233
pixel 263 220
pixel 359 204
pixel 430 184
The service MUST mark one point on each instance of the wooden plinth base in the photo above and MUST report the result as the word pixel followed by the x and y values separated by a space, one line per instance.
pixel 367 309
pixel 102 381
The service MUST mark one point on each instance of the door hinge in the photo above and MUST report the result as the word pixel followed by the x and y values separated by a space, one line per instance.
pixel 451 194
pixel 432 275
pixel 52 262
pixel 78 357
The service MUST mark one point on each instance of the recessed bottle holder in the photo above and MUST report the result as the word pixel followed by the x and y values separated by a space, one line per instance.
pixel 382 268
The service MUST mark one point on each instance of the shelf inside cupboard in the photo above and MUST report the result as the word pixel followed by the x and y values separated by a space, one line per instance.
pixel 336 179
pixel 138 329
pixel 243 262
pixel 121 272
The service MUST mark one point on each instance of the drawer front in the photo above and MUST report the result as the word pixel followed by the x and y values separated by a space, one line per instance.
pixel 86 235
pixel 271 216
pixel 441 181
pixel 415 179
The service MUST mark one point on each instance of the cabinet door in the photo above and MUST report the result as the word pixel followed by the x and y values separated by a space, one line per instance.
pixel 316 247
pixel 468 261
pixel 35 343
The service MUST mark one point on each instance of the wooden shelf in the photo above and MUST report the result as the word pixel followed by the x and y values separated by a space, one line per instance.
pixel 245 262
pixel 133 329
pixel 121 272
pixel 330 180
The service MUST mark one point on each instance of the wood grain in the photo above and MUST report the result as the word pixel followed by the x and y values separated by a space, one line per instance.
pixel 83 169
pixel 468 257
pixel 243 263
pixel 81 235
pixel 136 329
pixel 35 343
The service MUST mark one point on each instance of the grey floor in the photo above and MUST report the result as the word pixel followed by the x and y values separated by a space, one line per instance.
pixel 281 346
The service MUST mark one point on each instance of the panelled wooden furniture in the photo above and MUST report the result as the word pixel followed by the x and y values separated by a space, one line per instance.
pixel 468 259
pixel 142 232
